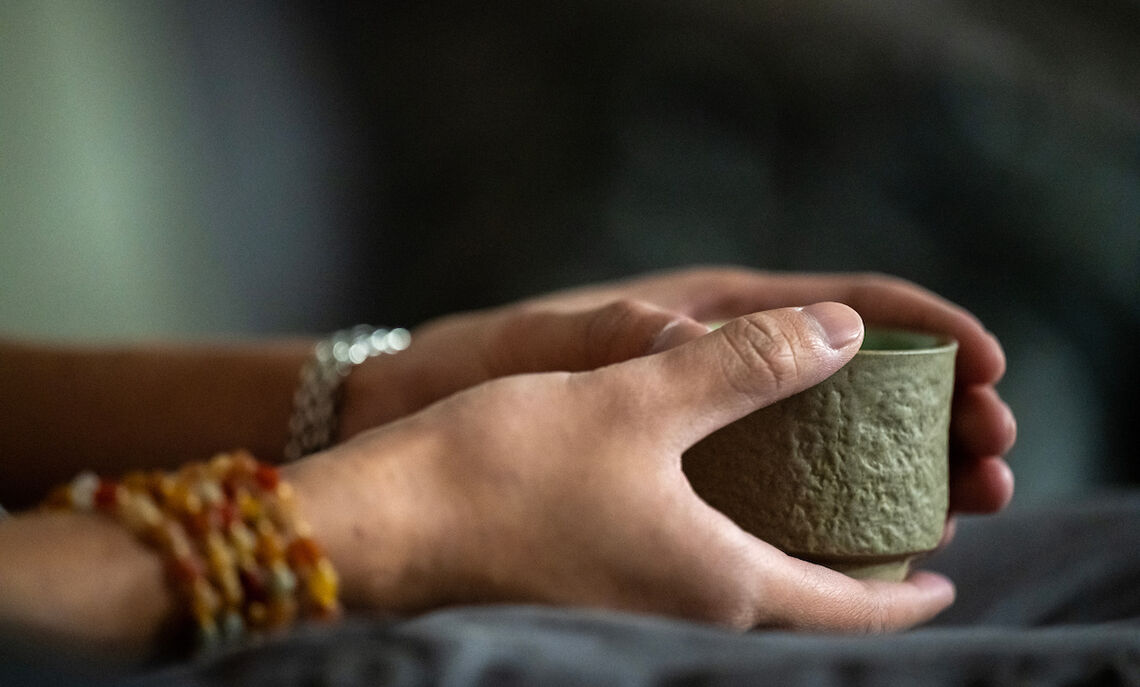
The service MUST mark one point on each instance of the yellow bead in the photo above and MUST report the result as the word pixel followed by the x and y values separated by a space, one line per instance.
pixel 181 499
pixel 243 541
pixel 231 588
pixel 284 491
pixel 210 492
pixel 221 465
pixel 139 513
pixel 249 507
pixel 256 614
pixel 136 481
pixel 323 584
pixel 217 550
pixel 269 546
pixel 204 601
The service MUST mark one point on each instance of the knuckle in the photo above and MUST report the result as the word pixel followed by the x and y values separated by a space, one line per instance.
pixel 868 286
pixel 623 328
pixel 870 617
pixel 727 278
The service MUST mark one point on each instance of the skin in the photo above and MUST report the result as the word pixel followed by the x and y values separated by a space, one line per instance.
pixel 563 486
pixel 589 327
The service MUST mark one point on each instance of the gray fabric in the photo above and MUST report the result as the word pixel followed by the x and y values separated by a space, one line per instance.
pixel 545 646
pixel 1046 567
pixel 1046 596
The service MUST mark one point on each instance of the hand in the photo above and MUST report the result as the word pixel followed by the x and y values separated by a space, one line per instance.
pixel 585 328
pixel 567 489
pixel 459 351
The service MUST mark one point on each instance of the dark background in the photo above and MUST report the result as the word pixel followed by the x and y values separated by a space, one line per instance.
pixel 392 162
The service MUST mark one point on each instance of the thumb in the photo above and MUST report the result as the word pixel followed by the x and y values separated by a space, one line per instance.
pixel 804 596
pixel 749 363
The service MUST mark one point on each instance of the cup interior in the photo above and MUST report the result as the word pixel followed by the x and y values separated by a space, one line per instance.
pixel 877 340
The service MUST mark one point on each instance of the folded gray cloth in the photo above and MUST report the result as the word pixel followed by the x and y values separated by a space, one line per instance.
pixel 1046 597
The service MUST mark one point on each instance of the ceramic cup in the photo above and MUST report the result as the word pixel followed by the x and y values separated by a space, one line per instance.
pixel 851 473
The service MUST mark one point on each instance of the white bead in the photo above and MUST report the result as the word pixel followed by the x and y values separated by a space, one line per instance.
pixel 83 489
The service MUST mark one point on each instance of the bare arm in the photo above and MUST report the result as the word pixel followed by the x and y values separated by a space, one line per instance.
pixel 552 488
pixel 112 409
pixel 81 581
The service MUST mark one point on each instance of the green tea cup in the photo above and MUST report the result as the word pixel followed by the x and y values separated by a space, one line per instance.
pixel 851 473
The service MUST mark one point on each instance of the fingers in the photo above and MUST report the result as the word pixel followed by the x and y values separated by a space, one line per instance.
pixel 749 363
pixel 888 301
pixel 948 532
pixel 545 340
pixel 980 485
pixel 730 577
pixel 982 430
pixel 983 424
pixel 681 330
pixel 719 293
pixel 805 596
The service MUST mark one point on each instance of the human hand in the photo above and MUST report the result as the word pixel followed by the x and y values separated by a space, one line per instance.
pixel 982 427
pixel 567 489
pixel 586 328
pixel 458 351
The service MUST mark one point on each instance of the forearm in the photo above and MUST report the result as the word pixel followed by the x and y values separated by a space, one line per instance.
pixel 81 581
pixel 115 409
pixel 85 583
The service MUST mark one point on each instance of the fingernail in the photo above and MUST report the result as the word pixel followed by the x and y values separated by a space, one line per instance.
pixel 840 325
pixel 677 332
pixel 934 584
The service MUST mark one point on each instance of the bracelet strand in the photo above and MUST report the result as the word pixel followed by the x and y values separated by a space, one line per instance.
pixel 237 555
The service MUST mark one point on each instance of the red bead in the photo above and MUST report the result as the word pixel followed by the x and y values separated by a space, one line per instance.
pixel 183 570
pixel 197 524
pixel 267 476
pixel 253 582
pixel 303 552
pixel 107 495
pixel 229 514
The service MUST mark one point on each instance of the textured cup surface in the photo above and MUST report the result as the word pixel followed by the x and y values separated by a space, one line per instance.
pixel 852 472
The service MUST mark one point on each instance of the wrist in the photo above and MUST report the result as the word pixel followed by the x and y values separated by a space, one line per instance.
pixel 318 402
pixel 367 509
pixel 51 593
pixel 374 394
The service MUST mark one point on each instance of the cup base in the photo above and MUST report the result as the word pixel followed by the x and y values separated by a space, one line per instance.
pixel 890 568
pixel 891 571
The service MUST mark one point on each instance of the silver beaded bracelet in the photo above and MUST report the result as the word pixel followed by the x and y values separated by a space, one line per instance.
pixel 317 399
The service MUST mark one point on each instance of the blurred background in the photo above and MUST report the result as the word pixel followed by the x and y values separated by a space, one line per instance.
pixel 195 169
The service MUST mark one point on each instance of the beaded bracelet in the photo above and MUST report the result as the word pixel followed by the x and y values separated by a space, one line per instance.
pixel 237 554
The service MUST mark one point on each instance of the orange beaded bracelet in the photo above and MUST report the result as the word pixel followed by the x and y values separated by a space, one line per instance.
pixel 237 554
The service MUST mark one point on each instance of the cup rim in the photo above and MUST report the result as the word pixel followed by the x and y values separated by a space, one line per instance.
pixel 938 343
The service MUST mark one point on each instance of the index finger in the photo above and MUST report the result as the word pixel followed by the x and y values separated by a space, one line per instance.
pixel 715 294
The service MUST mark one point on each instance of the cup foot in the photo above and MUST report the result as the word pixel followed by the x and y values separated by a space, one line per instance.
pixel 888 571
pixel 889 568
